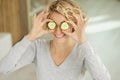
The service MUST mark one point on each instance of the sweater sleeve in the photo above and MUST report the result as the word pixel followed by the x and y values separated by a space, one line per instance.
pixel 21 54
pixel 93 63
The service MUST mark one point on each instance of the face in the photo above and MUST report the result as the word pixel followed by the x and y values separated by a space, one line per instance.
pixel 57 33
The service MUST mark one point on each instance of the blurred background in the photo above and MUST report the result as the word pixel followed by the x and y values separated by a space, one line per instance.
pixel 103 31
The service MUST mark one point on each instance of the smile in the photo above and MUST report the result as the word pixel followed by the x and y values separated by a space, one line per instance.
pixel 59 36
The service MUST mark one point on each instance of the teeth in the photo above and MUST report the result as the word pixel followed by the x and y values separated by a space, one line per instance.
pixel 59 36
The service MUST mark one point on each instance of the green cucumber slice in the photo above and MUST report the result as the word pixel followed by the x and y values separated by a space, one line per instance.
pixel 64 26
pixel 51 25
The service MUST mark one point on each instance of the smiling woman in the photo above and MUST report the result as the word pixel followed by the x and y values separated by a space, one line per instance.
pixel 67 56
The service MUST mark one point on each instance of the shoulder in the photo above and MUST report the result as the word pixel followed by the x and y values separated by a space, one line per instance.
pixel 85 49
pixel 42 42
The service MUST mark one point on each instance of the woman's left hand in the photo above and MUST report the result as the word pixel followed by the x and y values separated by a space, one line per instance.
pixel 79 28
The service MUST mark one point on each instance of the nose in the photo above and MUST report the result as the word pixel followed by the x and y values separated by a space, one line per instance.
pixel 58 30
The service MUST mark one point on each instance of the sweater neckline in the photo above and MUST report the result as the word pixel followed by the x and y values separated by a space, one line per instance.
pixel 65 60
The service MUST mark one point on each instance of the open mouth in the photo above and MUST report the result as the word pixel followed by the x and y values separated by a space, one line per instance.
pixel 59 36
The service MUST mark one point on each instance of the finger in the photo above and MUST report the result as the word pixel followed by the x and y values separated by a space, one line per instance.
pixel 81 22
pixel 81 14
pixel 82 17
pixel 47 20
pixel 34 19
pixel 67 33
pixel 77 17
pixel 46 31
pixel 40 14
pixel 72 24
pixel 50 31
pixel 86 21
pixel 45 15
pixel 45 23
pixel 34 16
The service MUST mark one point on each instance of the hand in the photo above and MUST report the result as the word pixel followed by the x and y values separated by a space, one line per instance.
pixel 38 23
pixel 79 28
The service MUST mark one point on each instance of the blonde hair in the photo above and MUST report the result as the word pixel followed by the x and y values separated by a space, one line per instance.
pixel 65 7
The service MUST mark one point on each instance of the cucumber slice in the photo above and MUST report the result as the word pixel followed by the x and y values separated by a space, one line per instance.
pixel 64 26
pixel 51 25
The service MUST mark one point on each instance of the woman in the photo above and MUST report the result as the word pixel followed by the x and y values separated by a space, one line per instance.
pixel 67 56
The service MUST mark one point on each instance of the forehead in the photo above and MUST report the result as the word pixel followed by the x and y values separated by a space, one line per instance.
pixel 58 18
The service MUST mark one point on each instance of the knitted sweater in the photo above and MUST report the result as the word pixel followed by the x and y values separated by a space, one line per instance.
pixel 82 58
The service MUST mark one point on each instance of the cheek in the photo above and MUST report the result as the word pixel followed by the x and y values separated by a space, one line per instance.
pixel 69 30
pixel 51 31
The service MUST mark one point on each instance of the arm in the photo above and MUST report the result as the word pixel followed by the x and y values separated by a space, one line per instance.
pixel 23 52
pixel 20 55
pixel 94 65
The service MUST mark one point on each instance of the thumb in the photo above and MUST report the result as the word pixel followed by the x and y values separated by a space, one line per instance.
pixel 67 33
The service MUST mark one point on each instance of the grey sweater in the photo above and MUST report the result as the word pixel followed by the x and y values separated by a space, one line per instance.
pixel 81 58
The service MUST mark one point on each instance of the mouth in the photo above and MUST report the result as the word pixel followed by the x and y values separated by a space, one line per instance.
pixel 59 36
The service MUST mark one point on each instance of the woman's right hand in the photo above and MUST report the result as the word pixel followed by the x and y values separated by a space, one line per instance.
pixel 39 21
